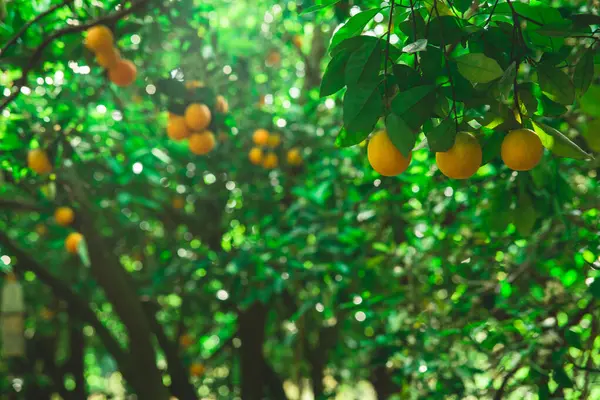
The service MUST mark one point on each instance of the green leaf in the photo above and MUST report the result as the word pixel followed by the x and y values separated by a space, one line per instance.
pixel 478 68
pixel 406 77
pixel 415 47
pixel 558 143
pixel 407 99
pixel 492 147
pixel 524 215
pixel 333 79
pixel 317 7
pixel 445 30
pixel 556 84
pixel 400 134
pixel 505 289
pixel 441 138
pixel 595 288
pixel 584 73
pixel 353 27
pixel 561 377
pixel 362 107
pixel 505 83
pixel 364 63
pixel 590 102
pixel 345 139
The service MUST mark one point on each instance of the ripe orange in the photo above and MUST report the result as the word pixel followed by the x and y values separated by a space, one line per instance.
pixel 260 137
pixel 384 157
pixel 197 116
pixel 273 58
pixel 123 73
pixel 178 203
pixel 297 40
pixel 270 161
pixel 521 150
pixel 98 38
pixel 202 143
pixel 196 370
pixel 186 340
pixel 177 128
pixel 108 58
pixel 463 159
pixel 72 242
pixel 37 160
pixel 274 140
pixel 222 106
pixel 41 229
pixel 255 155
pixel 64 216
pixel 194 84
pixel 294 157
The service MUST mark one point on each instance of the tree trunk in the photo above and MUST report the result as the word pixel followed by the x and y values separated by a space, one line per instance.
pixel 252 333
pixel 76 363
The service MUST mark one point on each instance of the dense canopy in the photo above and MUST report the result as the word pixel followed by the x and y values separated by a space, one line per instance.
pixel 261 199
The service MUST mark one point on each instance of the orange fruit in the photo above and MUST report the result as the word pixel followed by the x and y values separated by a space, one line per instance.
pixel 384 157
pixel 123 73
pixel 294 157
pixel 108 58
pixel 202 143
pixel 178 203
pixel 186 340
pixel 64 216
pixel 99 38
pixel 41 229
pixel 463 159
pixel 37 160
pixel 260 137
pixel 197 116
pixel 221 105
pixel 196 370
pixel 270 161
pixel 255 155
pixel 72 242
pixel 273 58
pixel 274 140
pixel 177 128
pixel 194 84
pixel 521 150
pixel 297 40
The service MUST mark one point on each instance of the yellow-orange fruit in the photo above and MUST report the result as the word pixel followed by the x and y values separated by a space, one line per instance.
pixel 221 105
pixel 177 128
pixel 384 157
pixel 72 242
pixel 522 150
pixel 178 203
pixel 123 73
pixel 274 140
pixel 294 157
pixel 197 370
pixel 186 340
pixel 273 58
pixel 64 216
pixel 197 116
pixel 108 58
pixel 194 84
pixel 297 40
pixel 98 38
pixel 463 159
pixel 255 155
pixel 37 160
pixel 260 137
pixel 270 161
pixel 202 143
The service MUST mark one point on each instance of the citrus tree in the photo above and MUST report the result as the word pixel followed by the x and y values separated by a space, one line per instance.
pixel 185 216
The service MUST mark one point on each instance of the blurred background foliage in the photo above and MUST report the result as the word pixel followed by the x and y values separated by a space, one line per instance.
pixel 323 280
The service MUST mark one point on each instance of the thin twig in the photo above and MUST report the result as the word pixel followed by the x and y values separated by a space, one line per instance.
pixel 387 54
pixel 24 28
pixel 414 24
pixel 37 54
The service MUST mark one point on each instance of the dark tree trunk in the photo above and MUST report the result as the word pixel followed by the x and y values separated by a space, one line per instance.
pixel 252 333
pixel 76 363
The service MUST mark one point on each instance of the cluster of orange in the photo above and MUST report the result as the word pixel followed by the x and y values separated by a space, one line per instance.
pixel 268 159
pixel 64 216
pixel 193 125
pixel 521 150
pixel 196 369
pixel 100 40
